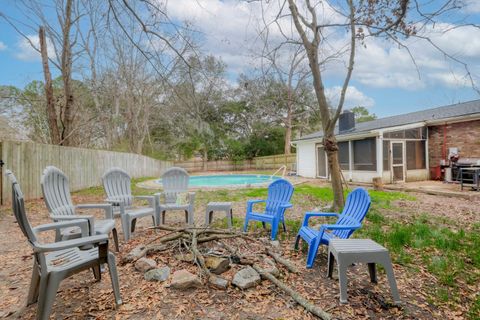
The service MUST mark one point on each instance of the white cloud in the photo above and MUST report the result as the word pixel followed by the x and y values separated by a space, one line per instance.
pixel 25 50
pixel 27 53
pixel 3 46
pixel 382 64
pixel 227 27
pixel 353 97
pixel 471 6
pixel 229 30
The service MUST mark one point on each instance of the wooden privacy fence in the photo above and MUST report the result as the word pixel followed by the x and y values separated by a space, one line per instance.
pixel 84 167
pixel 276 161
pixel 220 165
pixel 259 163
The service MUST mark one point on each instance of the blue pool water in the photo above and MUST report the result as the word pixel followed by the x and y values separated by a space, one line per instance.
pixel 229 180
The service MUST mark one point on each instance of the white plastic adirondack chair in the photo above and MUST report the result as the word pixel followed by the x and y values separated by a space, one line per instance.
pixel 54 262
pixel 56 193
pixel 174 181
pixel 116 183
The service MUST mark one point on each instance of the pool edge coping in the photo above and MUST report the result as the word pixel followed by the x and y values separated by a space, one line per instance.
pixel 149 185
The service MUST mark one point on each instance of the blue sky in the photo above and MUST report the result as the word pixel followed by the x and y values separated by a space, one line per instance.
pixel 384 79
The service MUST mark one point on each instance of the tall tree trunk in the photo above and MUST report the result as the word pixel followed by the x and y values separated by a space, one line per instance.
pixel 51 112
pixel 328 123
pixel 329 141
pixel 288 124
pixel 68 108
pixel 331 147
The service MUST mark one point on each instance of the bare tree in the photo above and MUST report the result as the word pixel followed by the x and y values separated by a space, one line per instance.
pixel 59 34
pixel 286 62
pixel 199 89
pixel 291 71
pixel 50 105
pixel 310 34
pixel 354 20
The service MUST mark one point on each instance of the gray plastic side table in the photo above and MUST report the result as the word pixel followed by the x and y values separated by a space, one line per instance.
pixel 348 251
pixel 219 206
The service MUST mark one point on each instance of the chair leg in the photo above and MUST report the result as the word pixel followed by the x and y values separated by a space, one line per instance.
pixel 50 293
pixel 284 226
pixel 34 285
pixel 342 279
pixel 230 219
pixel 373 272
pixel 297 242
pixel 245 224
pixel 162 221
pixel 207 220
pixel 115 239
pixel 153 219
pixel 391 280
pixel 97 272
pixel 157 216
pixel 112 268
pixel 133 223
pixel 274 230
pixel 41 297
pixel 263 224
pixel 312 253
pixel 186 217
pixel 331 261
pixel 125 226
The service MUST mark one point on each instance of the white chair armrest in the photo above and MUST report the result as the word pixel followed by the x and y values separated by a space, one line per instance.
pixel 57 226
pixel 67 244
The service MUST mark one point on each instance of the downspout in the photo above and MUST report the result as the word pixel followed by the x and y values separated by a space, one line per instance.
pixel 444 146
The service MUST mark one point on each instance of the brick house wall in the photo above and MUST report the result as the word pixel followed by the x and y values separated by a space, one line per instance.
pixel 463 135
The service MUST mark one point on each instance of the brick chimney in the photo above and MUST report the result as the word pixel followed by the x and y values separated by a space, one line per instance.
pixel 346 121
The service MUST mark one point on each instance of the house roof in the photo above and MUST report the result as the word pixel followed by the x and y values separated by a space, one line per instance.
pixel 439 113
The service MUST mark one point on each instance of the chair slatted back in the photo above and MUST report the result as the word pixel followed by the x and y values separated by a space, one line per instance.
pixel 18 207
pixel 117 185
pixel 174 180
pixel 355 210
pixel 279 192
pixel 56 192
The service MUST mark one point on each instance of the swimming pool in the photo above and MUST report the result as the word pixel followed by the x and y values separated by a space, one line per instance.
pixel 229 180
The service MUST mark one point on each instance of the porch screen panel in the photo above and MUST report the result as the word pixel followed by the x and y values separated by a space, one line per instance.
pixel 416 155
pixel 386 155
pixel 343 155
pixel 321 163
pixel 364 155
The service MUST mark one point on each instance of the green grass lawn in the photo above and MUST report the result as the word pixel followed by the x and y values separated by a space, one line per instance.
pixel 420 243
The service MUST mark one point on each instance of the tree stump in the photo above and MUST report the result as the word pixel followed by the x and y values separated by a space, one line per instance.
pixel 377 184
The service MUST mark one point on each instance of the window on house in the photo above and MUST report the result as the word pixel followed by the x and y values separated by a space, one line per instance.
pixel 416 133
pixel 395 134
pixel 343 155
pixel 416 155
pixel 364 155
pixel 386 155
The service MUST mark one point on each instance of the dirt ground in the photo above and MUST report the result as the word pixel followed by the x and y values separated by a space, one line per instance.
pixel 80 297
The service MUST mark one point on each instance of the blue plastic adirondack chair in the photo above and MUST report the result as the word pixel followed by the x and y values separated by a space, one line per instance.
pixel 278 200
pixel 356 208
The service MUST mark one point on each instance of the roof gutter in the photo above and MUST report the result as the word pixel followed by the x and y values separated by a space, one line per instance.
pixel 469 117
pixel 402 127
pixel 343 137
pixel 375 132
